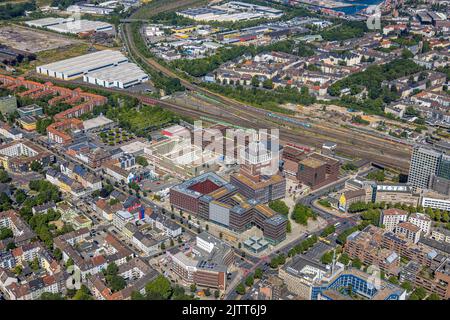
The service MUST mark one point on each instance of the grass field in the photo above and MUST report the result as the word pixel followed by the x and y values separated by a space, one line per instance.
pixel 49 56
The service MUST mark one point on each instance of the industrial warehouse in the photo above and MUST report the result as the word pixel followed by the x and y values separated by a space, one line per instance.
pixel 107 68
pixel 70 25
pixel 123 76
pixel 231 11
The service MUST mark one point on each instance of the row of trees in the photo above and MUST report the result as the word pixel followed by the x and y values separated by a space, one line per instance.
pixel 265 99
pixel 345 30
pixel 161 289
pixel 371 211
pixel 203 66
pixel 141 120
pixel 303 246
pixel 168 84
pixel 13 10
pixel 371 79
pixel 250 280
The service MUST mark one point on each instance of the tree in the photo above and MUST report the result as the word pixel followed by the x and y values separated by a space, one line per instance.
pixel 6 233
pixel 57 254
pixel 349 166
pixel 406 54
pixel 160 287
pixel 327 231
pixel 258 273
pixel 327 257
pixel 268 84
pixel 51 296
pixel 393 280
pixel 4 177
pixel 10 246
pixel 69 262
pixel 18 270
pixel 36 166
pixel 288 227
pixel 112 269
pixel 279 206
pixel 207 292
pixel 255 81
pixel 217 294
pixel 178 293
pixel 420 293
pixel 35 264
pixel 141 161
pixel 136 295
pixel 115 282
pixel 302 213
pixel 193 287
pixel 414 297
pixel 376 175
pixel 249 281
pixel 356 263
pixel 407 286
pixel 434 296
pixel 344 259
pixel 240 289
pixel 20 196
pixel 83 294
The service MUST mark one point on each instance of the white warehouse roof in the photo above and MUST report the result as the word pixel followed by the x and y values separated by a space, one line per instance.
pixel 78 26
pixel 80 65
pixel 45 22
pixel 121 76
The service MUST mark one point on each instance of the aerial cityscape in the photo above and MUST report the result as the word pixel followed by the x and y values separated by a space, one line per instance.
pixel 224 150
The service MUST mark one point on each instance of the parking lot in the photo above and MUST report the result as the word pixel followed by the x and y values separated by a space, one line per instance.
pixel 317 251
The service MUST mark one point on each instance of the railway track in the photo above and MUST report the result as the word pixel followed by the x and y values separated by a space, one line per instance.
pixel 298 136
pixel 373 148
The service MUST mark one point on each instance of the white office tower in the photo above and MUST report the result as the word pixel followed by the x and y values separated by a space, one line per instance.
pixel 424 164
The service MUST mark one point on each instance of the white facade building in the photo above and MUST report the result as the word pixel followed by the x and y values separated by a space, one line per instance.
pixel 422 221
pixel 436 203
pixel 390 218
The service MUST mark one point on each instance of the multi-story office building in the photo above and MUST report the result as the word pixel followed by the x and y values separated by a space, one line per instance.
pixel 436 201
pixel 430 169
pixel 31 110
pixel 424 164
pixel 318 170
pixel 121 218
pixel 212 198
pixel 363 285
pixel 394 193
pixel 301 275
pixel 258 176
pixel 206 264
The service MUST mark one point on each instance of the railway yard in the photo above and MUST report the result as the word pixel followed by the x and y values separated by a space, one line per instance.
pixel 389 153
